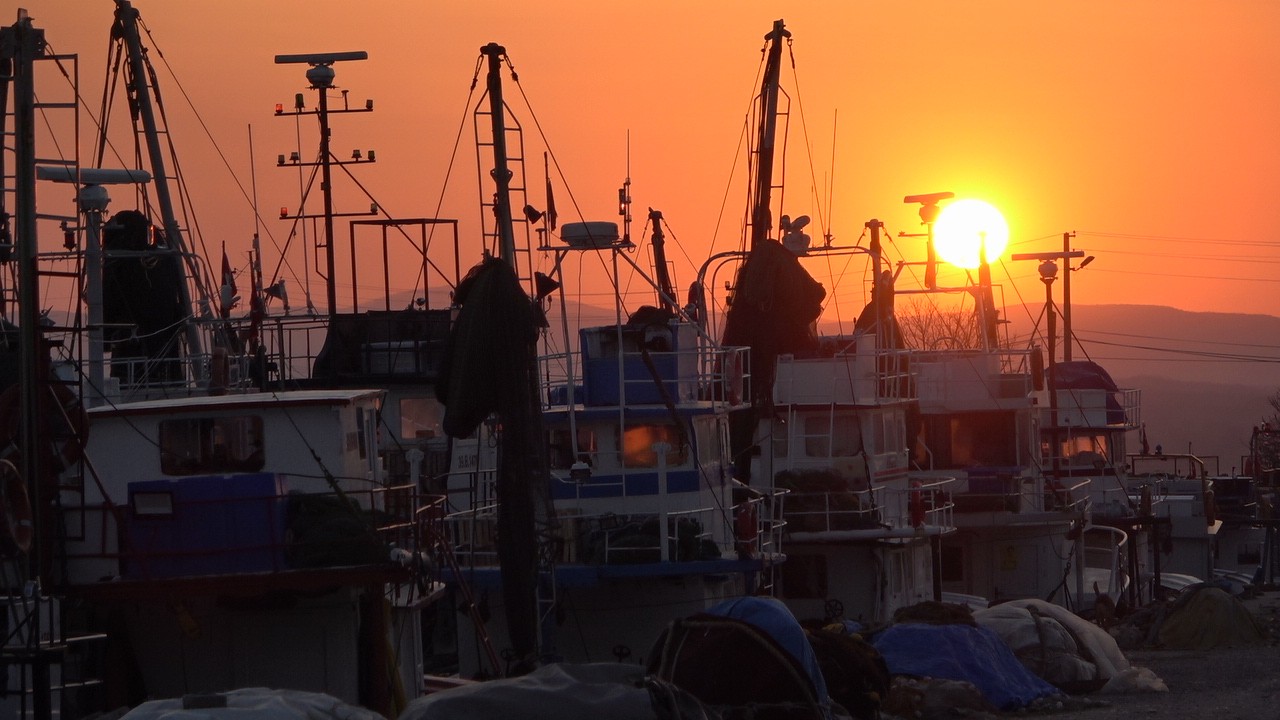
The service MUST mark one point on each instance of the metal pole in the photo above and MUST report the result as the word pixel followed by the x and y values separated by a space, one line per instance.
pixel 93 202
pixel 127 18
pixel 761 221
pixel 501 172
pixel 1066 298
pixel 326 193
pixel 25 43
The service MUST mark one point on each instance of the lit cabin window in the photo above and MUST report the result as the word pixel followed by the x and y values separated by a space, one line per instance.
pixel 561 449
pixel 638 442
pixel 1085 451
pixel 198 446
pixel 420 418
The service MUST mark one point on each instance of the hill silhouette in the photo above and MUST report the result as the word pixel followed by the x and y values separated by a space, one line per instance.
pixel 1205 377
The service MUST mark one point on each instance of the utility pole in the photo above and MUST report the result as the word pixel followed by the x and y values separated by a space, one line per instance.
pixel 1067 337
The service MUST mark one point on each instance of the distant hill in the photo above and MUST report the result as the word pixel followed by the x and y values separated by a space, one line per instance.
pixel 1205 377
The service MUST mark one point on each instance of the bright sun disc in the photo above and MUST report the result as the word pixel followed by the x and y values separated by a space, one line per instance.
pixel 964 226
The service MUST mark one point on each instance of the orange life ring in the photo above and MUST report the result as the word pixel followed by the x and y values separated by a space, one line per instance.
pixel 17 524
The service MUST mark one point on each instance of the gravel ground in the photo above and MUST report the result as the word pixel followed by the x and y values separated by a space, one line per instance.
pixel 1222 684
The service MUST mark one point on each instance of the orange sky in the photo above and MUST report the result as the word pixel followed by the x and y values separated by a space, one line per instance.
pixel 1152 129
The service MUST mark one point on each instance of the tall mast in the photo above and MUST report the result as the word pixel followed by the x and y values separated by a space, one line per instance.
pixel 761 218
pixel 127 24
pixel 321 75
pixel 521 460
pixel 666 292
pixel 501 173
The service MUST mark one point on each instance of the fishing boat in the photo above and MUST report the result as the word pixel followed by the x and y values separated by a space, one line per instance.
pixel 829 417
pixel 248 509
pixel 634 516
pixel 1025 526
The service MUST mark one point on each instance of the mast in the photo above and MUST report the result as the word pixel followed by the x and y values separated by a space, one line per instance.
pixel 501 172
pixel 761 217
pixel 522 455
pixel 127 25
pixel 20 45
pixel 666 293
pixel 321 75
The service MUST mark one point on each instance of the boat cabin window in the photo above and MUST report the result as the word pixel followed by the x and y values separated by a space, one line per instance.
pixel 198 446
pixel 832 436
pixel 711 436
pixel 890 435
pixel 561 449
pixel 420 418
pixel 968 439
pixel 638 441
pixel 1085 451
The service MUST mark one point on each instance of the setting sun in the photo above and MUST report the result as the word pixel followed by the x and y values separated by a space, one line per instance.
pixel 964 226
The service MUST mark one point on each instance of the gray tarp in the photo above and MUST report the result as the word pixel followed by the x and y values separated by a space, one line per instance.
pixel 252 704
pixel 562 691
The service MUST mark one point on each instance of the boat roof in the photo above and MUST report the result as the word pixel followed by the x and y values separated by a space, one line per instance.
pixel 237 401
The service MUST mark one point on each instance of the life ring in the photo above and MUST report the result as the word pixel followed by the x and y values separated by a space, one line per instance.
pixel 17 524
pixel 916 504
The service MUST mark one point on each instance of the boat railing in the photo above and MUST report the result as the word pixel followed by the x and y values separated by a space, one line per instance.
pixel 1104 555
pixel 255 523
pixel 960 380
pixel 1014 492
pixel 695 372
pixel 832 510
pixel 845 371
pixel 881 508
pixel 1096 408
pixel 602 539
pixel 927 501
pixel 759 524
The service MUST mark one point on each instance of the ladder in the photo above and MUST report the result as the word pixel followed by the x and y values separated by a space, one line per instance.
pixel 445 551
pixel 507 149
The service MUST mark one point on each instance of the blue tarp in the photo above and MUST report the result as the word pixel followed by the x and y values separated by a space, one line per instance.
pixel 775 620
pixel 962 652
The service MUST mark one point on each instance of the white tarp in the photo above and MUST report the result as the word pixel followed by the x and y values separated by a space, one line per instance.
pixel 1073 652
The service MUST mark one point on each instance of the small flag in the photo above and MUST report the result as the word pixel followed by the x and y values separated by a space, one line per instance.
pixel 551 201
pixel 228 294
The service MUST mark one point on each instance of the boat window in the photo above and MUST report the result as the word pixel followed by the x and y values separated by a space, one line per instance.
pixel 638 442
pixel 781 444
pixel 196 446
pixel 826 436
pixel 561 449
pixel 420 418
pixel 967 439
pixel 1086 451
pixel 707 438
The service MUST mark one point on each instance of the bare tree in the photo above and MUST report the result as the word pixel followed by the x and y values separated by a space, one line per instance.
pixel 927 327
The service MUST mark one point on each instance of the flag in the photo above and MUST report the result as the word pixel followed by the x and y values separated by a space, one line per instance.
pixel 551 201
pixel 228 294
pixel 1146 449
